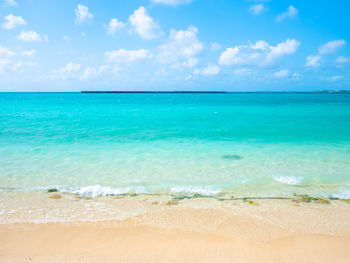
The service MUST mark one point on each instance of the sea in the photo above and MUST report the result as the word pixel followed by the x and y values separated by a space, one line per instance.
pixel 208 144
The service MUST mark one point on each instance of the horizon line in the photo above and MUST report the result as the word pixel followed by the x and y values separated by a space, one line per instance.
pixel 193 91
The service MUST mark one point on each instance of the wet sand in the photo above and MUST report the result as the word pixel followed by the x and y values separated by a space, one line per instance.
pixel 195 230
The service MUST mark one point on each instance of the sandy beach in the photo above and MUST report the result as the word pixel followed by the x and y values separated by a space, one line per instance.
pixel 191 230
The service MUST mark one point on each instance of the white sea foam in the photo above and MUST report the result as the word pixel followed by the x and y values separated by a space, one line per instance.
pixel 202 190
pixel 98 190
pixel 291 180
pixel 344 193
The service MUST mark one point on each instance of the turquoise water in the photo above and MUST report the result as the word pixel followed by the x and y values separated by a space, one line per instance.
pixel 261 144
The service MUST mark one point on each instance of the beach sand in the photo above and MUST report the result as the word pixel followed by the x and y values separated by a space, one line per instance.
pixel 192 230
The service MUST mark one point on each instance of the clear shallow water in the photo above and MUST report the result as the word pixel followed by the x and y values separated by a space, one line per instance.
pixel 257 144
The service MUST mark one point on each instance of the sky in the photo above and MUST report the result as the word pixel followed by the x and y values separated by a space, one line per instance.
pixel 219 45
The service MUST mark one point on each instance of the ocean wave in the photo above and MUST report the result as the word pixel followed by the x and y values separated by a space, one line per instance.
pixel 98 190
pixel 291 180
pixel 202 190
pixel 342 194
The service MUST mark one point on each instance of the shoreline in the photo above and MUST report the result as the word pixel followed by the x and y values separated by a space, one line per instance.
pixel 53 206
pixel 192 230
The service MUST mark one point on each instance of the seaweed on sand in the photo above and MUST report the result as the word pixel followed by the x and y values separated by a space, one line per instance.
pixel 55 196
pixel 172 202
pixel 308 199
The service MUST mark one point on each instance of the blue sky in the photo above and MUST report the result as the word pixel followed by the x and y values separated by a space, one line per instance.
pixel 237 45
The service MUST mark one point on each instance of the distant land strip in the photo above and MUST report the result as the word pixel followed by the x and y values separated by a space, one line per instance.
pixel 121 91
pixel 87 91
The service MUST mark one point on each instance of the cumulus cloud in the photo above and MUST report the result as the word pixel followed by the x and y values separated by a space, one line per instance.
pixel 76 71
pixel 113 26
pixel 144 25
pixel 7 63
pixel 92 72
pixel 257 9
pixel 331 47
pixel 11 2
pixel 82 14
pixel 334 78
pixel 260 53
pixel 181 48
pixel 171 2
pixel 31 36
pixel 283 73
pixel 313 61
pixel 342 60
pixel 327 48
pixel 290 13
pixel 209 70
pixel 29 53
pixel 69 68
pixel 12 21
pixel 127 56
pixel 5 52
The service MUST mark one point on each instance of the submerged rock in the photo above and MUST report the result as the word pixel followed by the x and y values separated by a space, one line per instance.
pixel 323 201
pixel 231 157
pixel 172 202
pixel 55 196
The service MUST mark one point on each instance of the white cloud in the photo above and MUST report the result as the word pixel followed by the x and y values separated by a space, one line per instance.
pixel 230 56
pixel 171 2
pixel 331 46
pixel 5 52
pixel 144 25
pixel 257 9
pixel 11 2
pixel 122 55
pixel 29 53
pixel 91 72
pixel 283 73
pixel 189 63
pixel 342 60
pixel 259 54
pixel 7 63
pixel 209 70
pixel 12 21
pixel 70 68
pixel 290 13
pixel 113 26
pixel 181 49
pixel 334 78
pixel 66 38
pixel 31 36
pixel 215 46
pixel 4 63
pixel 313 61
pixel 76 71
pixel 328 48
pixel 82 14
pixel 5 58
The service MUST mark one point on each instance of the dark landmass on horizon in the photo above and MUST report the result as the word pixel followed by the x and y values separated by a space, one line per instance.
pixel 316 91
